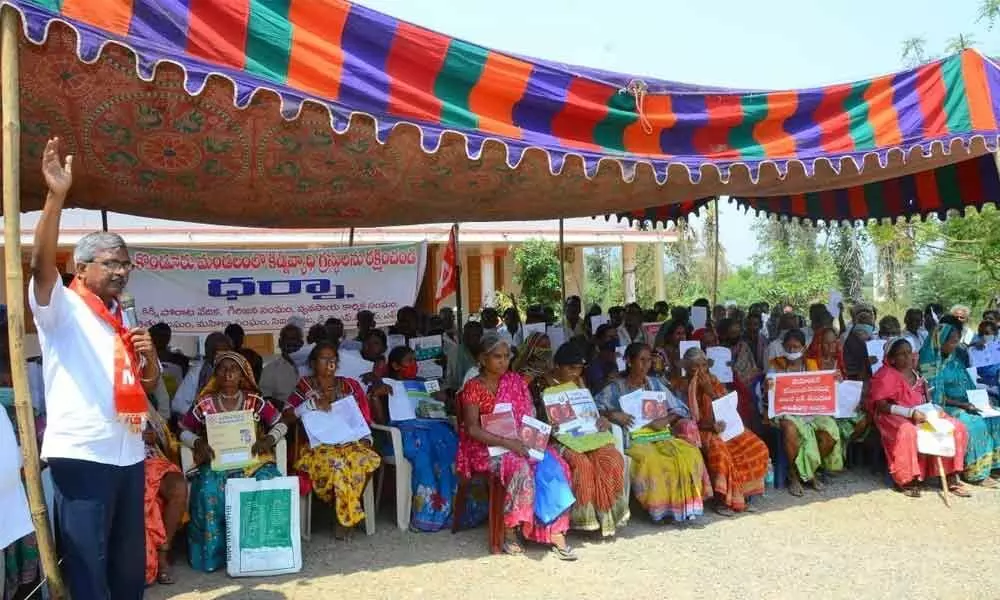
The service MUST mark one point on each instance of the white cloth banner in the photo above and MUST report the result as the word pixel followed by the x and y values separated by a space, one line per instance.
pixel 198 291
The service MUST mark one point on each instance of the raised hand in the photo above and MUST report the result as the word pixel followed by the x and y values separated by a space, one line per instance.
pixel 58 176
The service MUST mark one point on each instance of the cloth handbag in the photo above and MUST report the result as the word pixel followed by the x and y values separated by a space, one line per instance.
pixel 553 495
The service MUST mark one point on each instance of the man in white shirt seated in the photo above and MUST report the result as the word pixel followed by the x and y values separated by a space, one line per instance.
pixel 281 374
pixel 961 313
pixel 199 373
pixel 98 369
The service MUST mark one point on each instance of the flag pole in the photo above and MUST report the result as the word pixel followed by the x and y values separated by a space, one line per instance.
pixel 458 284
pixel 104 220
pixel 10 102
pixel 715 252
pixel 350 240
pixel 562 261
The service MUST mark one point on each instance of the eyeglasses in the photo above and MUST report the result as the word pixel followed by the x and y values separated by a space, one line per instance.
pixel 115 265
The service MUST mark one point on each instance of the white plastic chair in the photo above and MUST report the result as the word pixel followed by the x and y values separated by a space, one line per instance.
pixel 367 501
pixel 404 475
pixel 619 434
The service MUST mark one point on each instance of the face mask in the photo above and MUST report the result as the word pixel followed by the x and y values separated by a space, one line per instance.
pixel 409 371
pixel 989 339
pixel 865 328
pixel 793 355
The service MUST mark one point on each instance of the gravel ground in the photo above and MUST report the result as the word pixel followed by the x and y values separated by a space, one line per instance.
pixel 856 539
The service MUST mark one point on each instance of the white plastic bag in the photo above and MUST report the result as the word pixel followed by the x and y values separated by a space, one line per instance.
pixel 262 527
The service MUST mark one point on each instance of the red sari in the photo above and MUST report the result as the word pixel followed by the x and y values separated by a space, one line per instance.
pixel 517 473
pixel 899 434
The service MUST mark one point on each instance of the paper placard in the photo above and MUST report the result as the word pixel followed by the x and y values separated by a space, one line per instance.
pixel 530 328
pixel 413 399
pixel 535 435
pixel 833 304
pixel 620 359
pixel 427 347
pixel 936 436
pixel 231 436
pixel 341 424
pixel 596 321
pixel 848 398
pixel 981 400
pixel 394 341
pixel 573 410
pixel 428 369
pixel 803 394
pixel 876 348
pixel 500 423
pixel 262 527
pixel 722 359
pixel 557 336
pixel 644 407
pixel 725 411
pixel 699 317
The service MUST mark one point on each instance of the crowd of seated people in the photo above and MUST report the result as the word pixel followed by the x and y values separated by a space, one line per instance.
pixel 675 465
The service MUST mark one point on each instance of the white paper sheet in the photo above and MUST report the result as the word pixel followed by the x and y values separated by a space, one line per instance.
pixel 15 520
pixel 428 369
pixel 936 437
pixel 989 355
pixel 687 345
pixel 557 336
pixel 427 347
pixel 848 398
pixel 620 358
pixel 699 317
pixel 725 411
pixel 394 341
pixel 401 406
pixel 833 304
pixel 973 374
pixel 342 424
pixel 530 328
pixel 981 400
pixel 598 320
pixel 722 358
pixel 634 403
pixel 876 348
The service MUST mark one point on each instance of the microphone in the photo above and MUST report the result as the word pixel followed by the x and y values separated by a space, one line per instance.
pixel 129 318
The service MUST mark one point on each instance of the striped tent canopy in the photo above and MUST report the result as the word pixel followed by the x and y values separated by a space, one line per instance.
pixel 291 113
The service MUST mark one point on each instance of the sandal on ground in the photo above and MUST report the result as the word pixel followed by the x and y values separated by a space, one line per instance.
pixel 911 491
pixel 817 485
pixel 795 488
pixel 512 548
pixel 749 508
pixel 565 553
pixel 723 511
pixel 959 490
pixel 988 483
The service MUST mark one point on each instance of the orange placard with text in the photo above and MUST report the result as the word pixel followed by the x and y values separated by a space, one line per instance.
pixel 802 394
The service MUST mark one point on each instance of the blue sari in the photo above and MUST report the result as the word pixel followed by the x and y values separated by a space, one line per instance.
pixel 951 382
pixel 430 445
pixel 207 529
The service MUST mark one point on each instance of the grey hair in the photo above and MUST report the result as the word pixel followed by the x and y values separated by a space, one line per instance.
pixel 96 243
pixel 960 307
pixel 694 353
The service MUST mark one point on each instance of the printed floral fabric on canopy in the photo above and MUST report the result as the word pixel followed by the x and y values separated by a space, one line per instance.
pixel 312 113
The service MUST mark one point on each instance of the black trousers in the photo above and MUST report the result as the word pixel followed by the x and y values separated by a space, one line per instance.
pixel 100 528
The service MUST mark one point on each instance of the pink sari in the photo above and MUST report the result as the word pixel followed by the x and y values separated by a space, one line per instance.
pixel 899 434
pixel 517 474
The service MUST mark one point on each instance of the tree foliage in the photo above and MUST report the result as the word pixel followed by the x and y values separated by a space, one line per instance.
pixel 603 276
pixel 538 273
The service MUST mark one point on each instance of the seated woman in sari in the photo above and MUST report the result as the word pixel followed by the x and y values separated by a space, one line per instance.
pixel 231 388
pixel 896 389
pixel 597 467
pixel 949 386
pixel 809 442
pixel 165 497
pixel 824 354
pixel 669 477
pixel 494 386
pixel 430 444
pixel 738 466
pixel 337 471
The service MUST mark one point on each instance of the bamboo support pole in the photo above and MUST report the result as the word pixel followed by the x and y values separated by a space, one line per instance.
pixel 11 111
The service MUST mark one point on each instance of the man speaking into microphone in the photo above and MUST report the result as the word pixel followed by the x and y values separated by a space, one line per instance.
pixel 97 370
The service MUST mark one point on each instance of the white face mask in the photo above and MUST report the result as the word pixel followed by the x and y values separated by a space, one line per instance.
pixel 793 355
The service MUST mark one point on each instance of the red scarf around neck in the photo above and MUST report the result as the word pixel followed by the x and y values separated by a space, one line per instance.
pixel 130 398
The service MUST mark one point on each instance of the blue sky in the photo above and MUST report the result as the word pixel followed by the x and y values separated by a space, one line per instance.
pixel 734 43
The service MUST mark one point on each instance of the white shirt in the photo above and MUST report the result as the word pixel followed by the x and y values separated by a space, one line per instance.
pixel 15 519
pixel 78 356
pixel 184 397
pixel 624 338
pixel 775 349
pixel 916 339
pixel 278 380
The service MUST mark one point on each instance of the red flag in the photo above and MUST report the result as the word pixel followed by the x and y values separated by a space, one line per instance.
pixel 447 275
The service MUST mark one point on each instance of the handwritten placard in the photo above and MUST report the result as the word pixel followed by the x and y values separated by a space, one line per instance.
pixel 802 394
